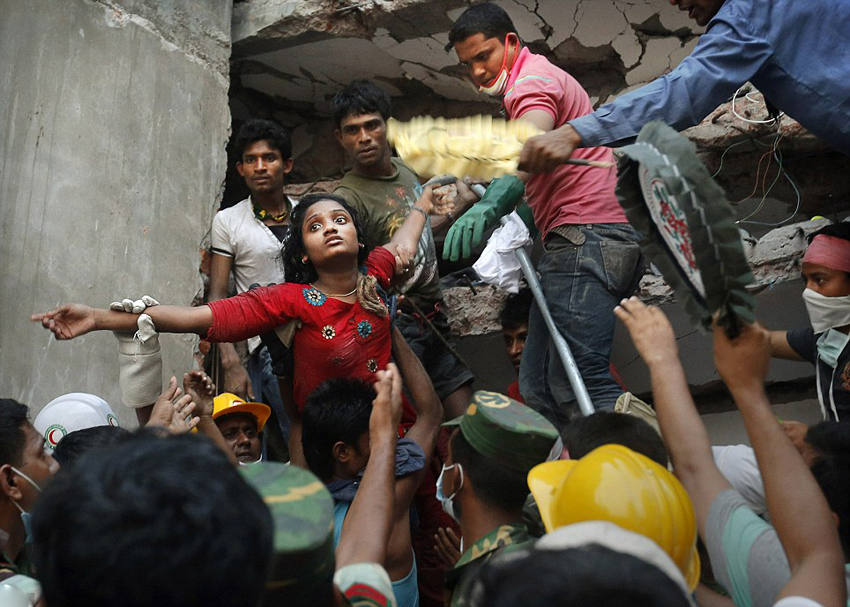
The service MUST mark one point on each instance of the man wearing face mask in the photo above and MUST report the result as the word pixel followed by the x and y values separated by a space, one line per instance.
pixel 826 270
pixel 24 470
pixel 483 484
pixel 592 256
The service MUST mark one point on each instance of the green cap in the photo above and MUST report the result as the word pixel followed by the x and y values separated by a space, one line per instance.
pixel 302 511
pixel 506 431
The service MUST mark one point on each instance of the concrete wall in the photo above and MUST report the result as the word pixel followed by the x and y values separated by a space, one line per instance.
pixel 113 123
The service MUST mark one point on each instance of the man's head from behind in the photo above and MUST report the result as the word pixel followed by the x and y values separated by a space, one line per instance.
pixel 514 320
pixel 595 563
pixel 361 111
pixel 150 522
pixel 264 155
pixel 585 434
pixel 487 44
pixel 25 468
pixel 335 428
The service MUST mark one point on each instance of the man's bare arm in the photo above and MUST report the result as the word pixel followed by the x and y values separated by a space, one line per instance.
pixel 798 509
pixel 780 348
pixel 683 431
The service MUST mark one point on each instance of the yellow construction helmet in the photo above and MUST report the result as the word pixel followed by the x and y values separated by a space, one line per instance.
pixel 227 403
pixel 613 483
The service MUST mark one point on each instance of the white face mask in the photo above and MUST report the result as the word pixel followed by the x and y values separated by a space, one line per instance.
pixel 446 502
pixel 826 312
pixel 498 85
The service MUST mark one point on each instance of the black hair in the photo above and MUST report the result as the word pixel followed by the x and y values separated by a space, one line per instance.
pixel 485 18
pixel 338 410
pixel 116 528
pixel 294 268
pixel 839 230
pixel 257 129
pixel 589 575
pixel 80 442
pixel 360 97
pixel 495 485
pixel 515 312
pixel 13 418
pixel 831 469
pixel 584 434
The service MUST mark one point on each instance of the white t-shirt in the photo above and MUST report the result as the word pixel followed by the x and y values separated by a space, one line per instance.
pixel 797 601
pixel 738 464
pixel 255 250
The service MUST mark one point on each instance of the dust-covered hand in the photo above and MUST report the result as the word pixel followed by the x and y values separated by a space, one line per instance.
pixel 201 389
pixel 544 153
pixel 68 321
pixel 649 329
pixel 174 410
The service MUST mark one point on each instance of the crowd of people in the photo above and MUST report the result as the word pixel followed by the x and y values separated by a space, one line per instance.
pixel 346 459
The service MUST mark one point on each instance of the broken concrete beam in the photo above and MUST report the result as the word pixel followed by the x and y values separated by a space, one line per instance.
pixel 474 313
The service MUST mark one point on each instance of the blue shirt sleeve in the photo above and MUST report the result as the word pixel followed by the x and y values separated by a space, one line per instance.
pixel 727 55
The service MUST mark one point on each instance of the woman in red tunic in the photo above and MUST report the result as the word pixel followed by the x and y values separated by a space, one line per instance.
pixel 345 327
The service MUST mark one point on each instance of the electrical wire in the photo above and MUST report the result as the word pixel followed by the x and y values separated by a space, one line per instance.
pixel 771 120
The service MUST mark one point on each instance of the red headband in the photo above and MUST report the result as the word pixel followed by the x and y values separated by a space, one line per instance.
pixel 829 251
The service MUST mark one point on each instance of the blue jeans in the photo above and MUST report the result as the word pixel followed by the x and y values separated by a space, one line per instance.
pixel 266 389
pixel 583 277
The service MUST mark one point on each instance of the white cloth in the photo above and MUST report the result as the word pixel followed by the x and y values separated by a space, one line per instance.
pixel 796 601
pixel 69 413
pixel 139 364
pixel 738 464
pixel 255 250
pixel 498 264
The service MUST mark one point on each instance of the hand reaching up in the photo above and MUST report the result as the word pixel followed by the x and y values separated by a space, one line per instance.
pixel 68 321
pixel 386 408
pixel 742 362
pixel 650 330
pixel 174 410
pixel 201 389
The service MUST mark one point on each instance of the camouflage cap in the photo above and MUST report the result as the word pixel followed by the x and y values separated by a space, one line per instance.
pixel 506 431
pixel 302 510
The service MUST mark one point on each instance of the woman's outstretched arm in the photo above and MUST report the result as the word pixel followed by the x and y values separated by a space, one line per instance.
pixel 73 320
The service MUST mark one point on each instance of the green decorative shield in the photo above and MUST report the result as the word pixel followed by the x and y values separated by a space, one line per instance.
pixel 687 226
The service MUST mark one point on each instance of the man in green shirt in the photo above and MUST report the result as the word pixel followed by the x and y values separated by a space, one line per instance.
pixel 383 190
pixel 483 485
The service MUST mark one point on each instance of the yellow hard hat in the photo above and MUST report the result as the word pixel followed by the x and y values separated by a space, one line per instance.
pixel 227 403
pixel 613 483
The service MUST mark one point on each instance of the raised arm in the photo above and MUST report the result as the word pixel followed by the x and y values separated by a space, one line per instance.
pixel 408 234
pixel 683 431
pixel 370 517
pixel 798 509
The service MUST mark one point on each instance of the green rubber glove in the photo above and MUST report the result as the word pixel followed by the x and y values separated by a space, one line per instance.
pixel 524 212
pixel 501 198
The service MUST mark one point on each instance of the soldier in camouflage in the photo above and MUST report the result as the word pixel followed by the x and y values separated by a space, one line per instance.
pixel 495 443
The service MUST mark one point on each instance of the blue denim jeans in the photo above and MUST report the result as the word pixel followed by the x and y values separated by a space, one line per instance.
pixel 583 278
pixel 266 389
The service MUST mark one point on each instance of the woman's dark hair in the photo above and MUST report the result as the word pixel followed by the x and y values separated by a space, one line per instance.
pixel 294 268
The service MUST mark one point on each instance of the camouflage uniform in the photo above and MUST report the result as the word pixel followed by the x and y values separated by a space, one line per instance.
pixel 303 561
pixel 513 436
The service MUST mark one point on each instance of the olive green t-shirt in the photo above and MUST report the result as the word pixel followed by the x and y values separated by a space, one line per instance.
pixel 382 204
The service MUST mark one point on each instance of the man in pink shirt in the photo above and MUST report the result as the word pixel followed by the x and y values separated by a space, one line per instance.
pixel 592 258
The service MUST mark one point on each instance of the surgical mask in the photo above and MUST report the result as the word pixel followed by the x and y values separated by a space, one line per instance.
pixel 26 517
pixel 826 312
pixel 446 502
pixel 498 85
pixel 830 345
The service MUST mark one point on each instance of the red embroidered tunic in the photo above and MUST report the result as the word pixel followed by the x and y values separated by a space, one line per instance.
pixel 336 339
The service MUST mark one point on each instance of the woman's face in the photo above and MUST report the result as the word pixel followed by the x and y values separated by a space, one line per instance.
pixel 328 233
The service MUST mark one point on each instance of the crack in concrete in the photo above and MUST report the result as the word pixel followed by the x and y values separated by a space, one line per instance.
pixel 119 17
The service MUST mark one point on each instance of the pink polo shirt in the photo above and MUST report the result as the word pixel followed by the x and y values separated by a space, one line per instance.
pixel 571 194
